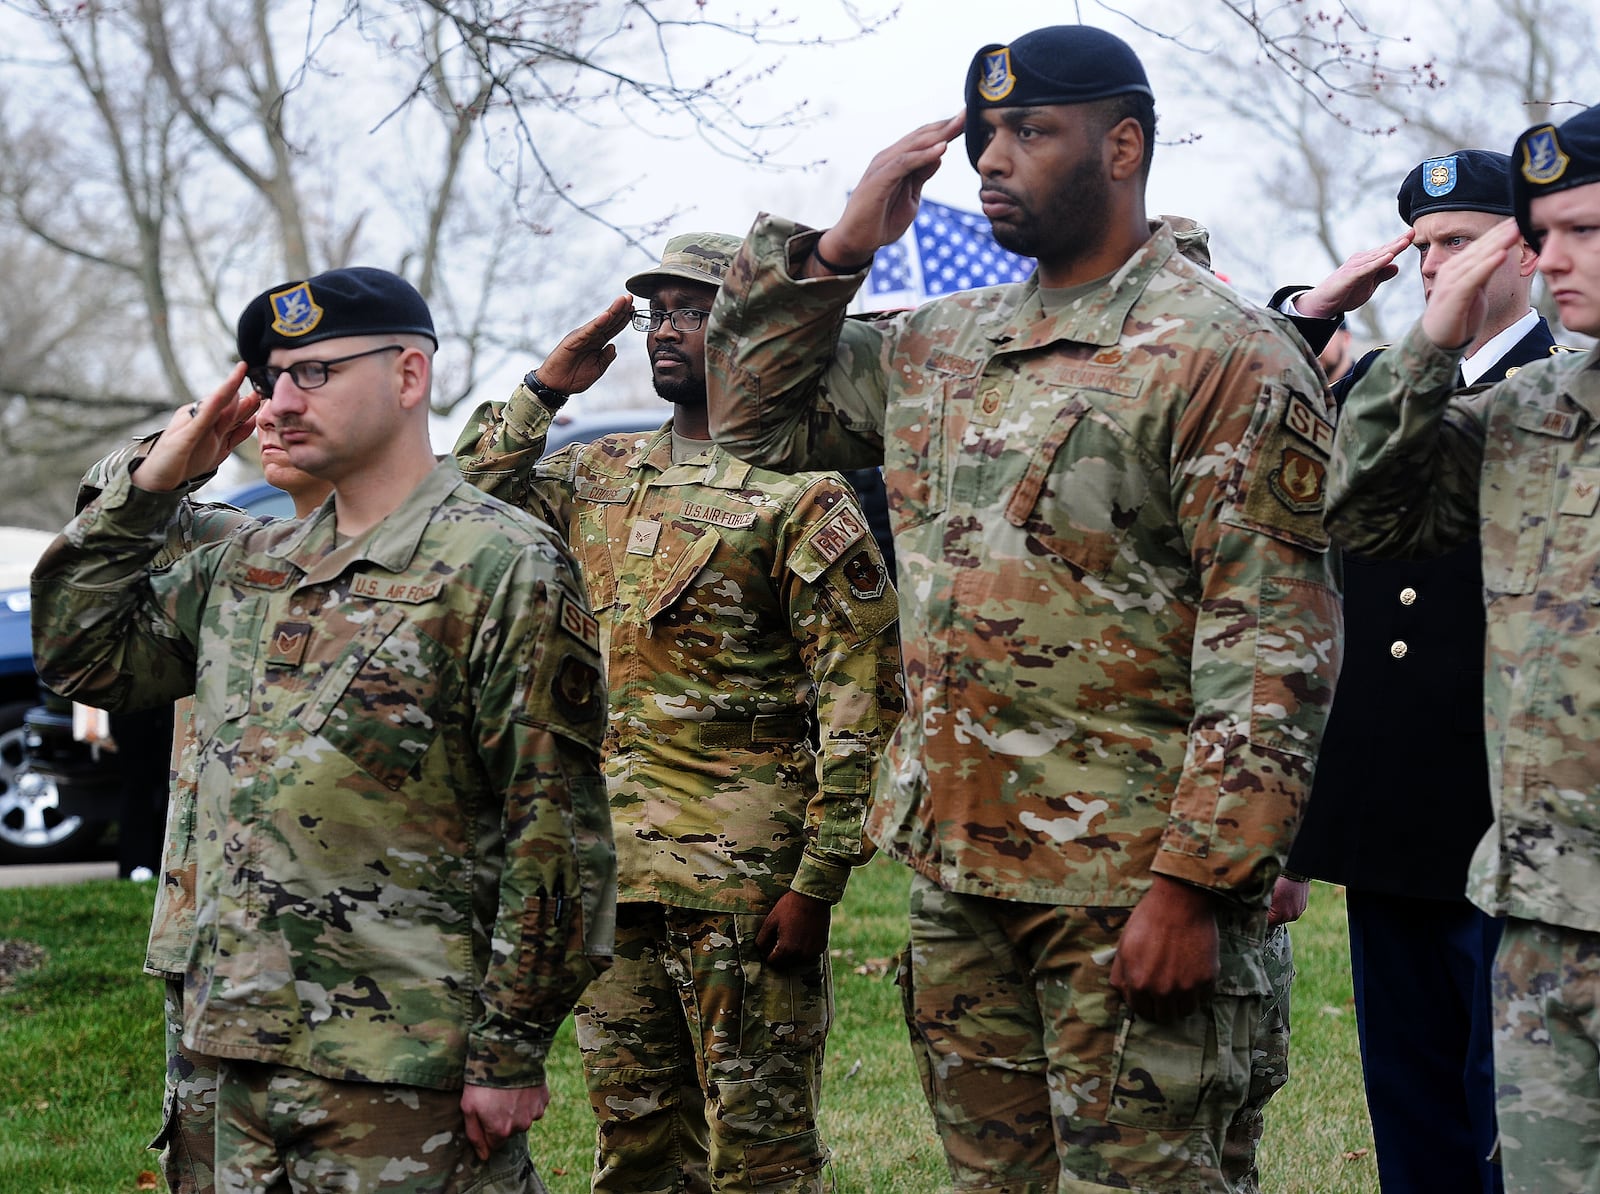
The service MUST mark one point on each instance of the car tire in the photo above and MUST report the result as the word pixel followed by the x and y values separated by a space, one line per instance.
pixel 31 827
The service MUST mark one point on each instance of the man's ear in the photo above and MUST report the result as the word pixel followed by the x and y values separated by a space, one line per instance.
pixel 1527 259
pixel 416 371
pixel 1125 149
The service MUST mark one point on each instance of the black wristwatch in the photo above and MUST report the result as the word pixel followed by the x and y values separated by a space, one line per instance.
pixel 553 399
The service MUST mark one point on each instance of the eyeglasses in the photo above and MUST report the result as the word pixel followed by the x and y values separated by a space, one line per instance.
pixel 307 375
pixel 688 319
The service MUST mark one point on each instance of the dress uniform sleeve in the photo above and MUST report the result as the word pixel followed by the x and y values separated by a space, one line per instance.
pixel 1251 456
pixel 112 627
pixel 844 614
pixel 791 383
pixel 500 452
pixel 539 711
pixel 1407 458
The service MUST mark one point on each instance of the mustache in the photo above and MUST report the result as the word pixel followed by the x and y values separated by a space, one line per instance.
pixel 665 353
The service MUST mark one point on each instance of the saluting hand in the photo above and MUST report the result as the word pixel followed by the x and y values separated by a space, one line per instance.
pixel 200 436
pixel 1354 282
pixel 885 201
pixel 1457 307
pixel 585 353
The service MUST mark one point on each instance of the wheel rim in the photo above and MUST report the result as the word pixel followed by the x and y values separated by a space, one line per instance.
pixel 30 817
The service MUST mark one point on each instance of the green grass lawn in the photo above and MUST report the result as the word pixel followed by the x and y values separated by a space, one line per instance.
pixel 81 1035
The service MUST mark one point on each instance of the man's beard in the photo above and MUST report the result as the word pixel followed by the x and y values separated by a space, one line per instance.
pixel 686 391
pixel 1078 212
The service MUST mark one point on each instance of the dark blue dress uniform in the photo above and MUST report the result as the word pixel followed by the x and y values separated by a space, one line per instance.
pixel 1400 801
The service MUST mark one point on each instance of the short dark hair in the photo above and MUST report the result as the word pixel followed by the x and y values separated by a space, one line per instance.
pixel 1108 113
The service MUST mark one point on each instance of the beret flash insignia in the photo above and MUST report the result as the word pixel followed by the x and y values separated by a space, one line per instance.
pixel 294 311
pixel 1542 159
pixel 996 80
pixel 1439 176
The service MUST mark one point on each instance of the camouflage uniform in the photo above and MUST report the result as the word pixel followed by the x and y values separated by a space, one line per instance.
pixel 1518 466
pixel 187 1138
pixel 748 627
pixel 405 869
pixel 1122 636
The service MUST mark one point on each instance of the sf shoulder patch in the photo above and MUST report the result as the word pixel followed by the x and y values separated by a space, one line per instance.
pixel 1285 476
pixel 579 622
pixel 561 683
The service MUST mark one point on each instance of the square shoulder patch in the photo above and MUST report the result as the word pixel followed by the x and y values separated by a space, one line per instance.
pixel 1284 478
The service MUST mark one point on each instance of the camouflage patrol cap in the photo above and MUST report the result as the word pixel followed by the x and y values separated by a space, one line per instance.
pixel 1060 64
pixel 357 301
pixel 702 257
pixel 1547 159
pixel 1462 180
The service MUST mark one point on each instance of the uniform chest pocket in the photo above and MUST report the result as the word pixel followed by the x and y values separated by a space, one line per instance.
pixel 1080 491
pixel 593 549
pixel 381 701
pixel 914 464
pixel 1517 503
pixel 675 573
pixel 226 676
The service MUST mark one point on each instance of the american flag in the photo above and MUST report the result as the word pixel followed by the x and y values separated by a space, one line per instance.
pixel 945 249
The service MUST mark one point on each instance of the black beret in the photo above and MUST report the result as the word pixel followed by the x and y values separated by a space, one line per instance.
pixel 1549 159
pixel 359 301
pixel 1462 180
pixel 1061 64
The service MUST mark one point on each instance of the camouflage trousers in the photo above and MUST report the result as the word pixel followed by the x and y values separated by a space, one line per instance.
pixel 1039 1078
pixel 282 1130
pixel 188 1107
pixel 1547 1057
pixel 704 1065
pixel 1269 1066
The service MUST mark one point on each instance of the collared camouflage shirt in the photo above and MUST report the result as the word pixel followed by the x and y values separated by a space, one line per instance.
pixel 1121 624
pixel 1417 472
pixel 748 627
pixel 405 864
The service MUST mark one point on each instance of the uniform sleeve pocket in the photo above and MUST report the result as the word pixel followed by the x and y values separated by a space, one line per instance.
pixel 1301 623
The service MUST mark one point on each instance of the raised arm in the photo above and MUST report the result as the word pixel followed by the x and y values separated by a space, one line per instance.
pixel 1407 457
pixel 501 446
pixel 101 631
